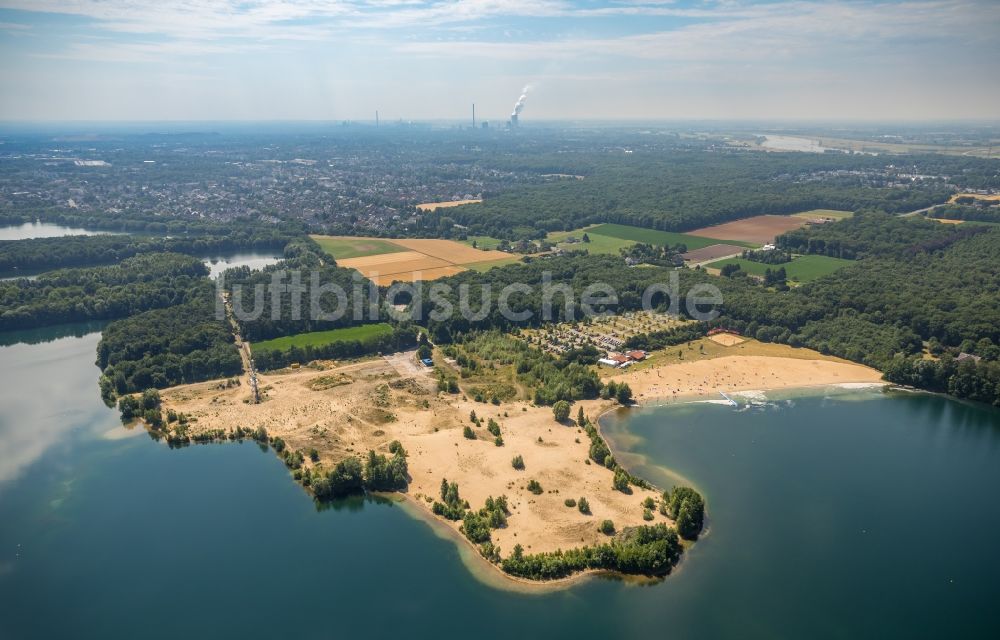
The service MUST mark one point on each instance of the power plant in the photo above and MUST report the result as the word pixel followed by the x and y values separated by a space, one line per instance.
pixel 518 107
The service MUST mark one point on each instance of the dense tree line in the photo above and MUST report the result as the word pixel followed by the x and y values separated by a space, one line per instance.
pixel 148 281
pixel 774 256
pixel 44 254
pixel 655 254
pixel 965 212
pixel 644 550
pixel 872 233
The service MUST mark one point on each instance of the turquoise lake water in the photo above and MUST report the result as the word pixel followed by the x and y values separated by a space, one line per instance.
pixel 858 515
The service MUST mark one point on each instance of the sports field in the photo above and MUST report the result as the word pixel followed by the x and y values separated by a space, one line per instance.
pixel 800 269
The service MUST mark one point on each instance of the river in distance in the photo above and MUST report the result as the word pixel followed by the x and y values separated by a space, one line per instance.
pixel 857 515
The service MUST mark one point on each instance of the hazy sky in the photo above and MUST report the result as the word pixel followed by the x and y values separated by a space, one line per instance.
pixel 413 59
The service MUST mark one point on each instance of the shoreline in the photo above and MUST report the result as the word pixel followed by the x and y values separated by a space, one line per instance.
pixel 345 409
pixel 712 398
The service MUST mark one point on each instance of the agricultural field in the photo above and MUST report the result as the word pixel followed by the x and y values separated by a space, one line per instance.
pixel 712 252
pixel 756 230
pixel 652 236
pixel 486 266
pixel 611 238
pixel 800 269
pixel 318 338
pixel 482 242
pixel 431 206
pixel 404 260
pixel 833 214
pixel 344 247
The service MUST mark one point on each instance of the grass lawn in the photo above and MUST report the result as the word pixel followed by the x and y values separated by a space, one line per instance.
pixel 825 213
pixel 598 243
pixel 483 242
pixel 651 236
pixel 344 247
pixel 800 269
pixel 317 338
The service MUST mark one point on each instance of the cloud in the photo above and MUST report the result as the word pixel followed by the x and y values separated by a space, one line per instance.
pixel 341 46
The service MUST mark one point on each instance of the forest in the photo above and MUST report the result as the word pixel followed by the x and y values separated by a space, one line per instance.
pixel 680 191
pixel 966 212
pixel 136 284
pixel 165 347
pixel 304 259
pixel 872 233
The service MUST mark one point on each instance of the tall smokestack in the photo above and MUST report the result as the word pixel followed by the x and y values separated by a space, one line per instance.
pixel 473 115
pixel 376 118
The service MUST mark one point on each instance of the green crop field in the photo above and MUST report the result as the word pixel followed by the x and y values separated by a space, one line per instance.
pixel 800 269
pixel 486 266
pixel 317 338
pixel 344 247
pixel 651 236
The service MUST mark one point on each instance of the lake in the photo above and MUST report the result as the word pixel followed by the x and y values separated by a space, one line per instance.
pixel 43 230
pixel 218 264
pixel 856 515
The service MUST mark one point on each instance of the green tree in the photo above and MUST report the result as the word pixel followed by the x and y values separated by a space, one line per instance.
pixel 620 481
pixel 561 411
pixel 623 393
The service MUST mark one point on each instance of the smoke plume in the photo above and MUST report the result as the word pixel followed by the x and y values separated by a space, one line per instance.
pixel 519 105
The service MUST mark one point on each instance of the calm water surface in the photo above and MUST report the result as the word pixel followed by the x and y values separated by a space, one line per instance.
pixel 255 261
pixel 42 230
pixel 856 516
